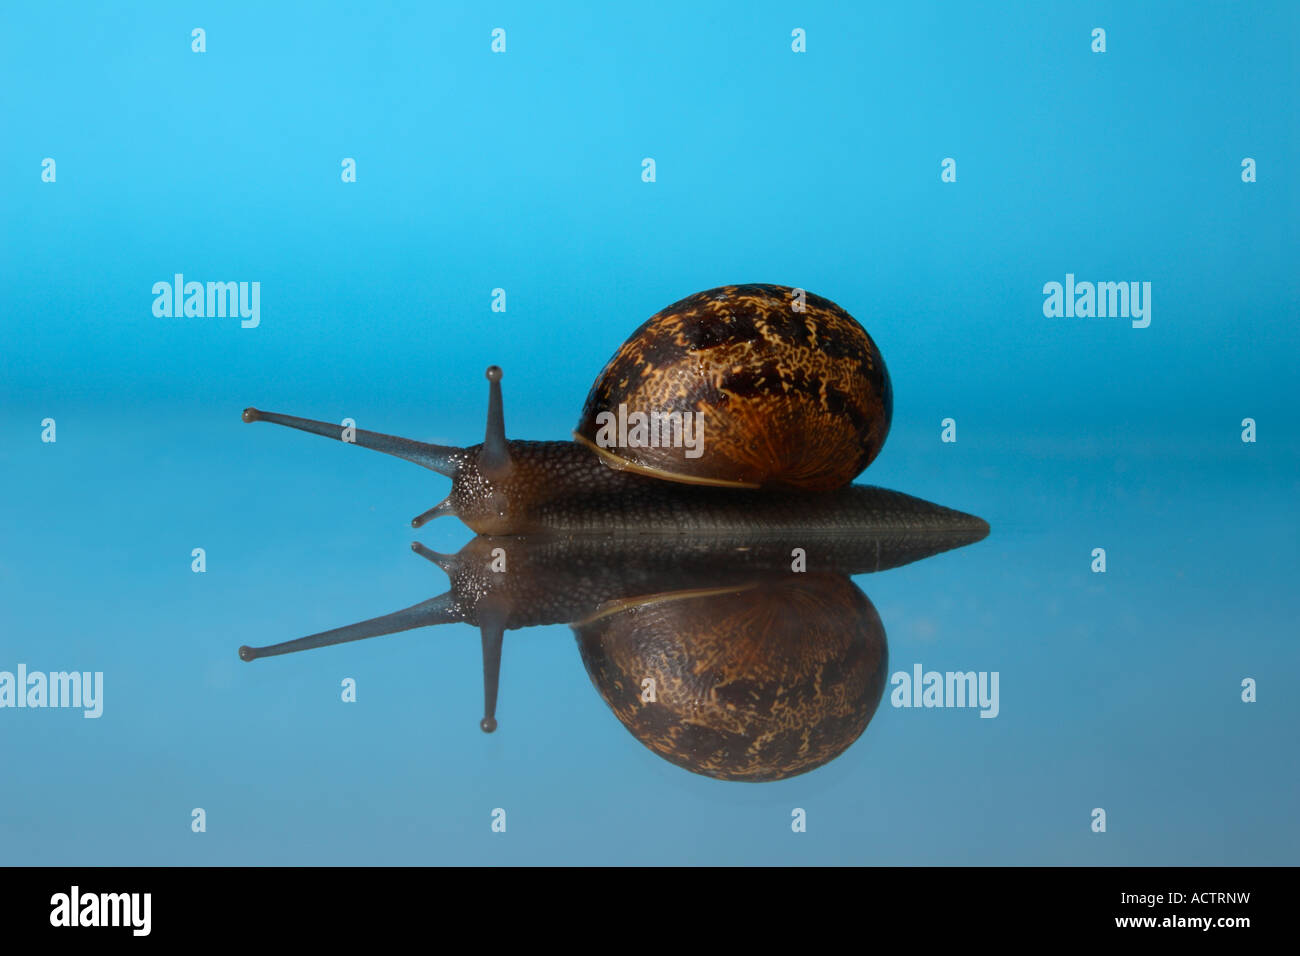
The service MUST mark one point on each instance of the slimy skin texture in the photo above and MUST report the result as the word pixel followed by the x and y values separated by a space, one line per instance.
pixel 563 487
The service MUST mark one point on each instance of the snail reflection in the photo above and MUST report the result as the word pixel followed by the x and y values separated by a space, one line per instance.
pixel 738 656
pixel 760 682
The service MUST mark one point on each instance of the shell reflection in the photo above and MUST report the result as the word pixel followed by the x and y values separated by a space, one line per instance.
pixel 754 683
pixel 739 656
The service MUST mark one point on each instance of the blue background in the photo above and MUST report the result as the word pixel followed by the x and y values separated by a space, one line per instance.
pixel 523 171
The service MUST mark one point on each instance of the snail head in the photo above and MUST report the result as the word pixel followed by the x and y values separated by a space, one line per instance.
pixel 490 485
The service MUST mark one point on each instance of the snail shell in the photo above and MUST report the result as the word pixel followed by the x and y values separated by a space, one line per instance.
pixel 786 396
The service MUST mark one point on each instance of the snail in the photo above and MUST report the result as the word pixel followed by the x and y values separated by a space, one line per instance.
pixel 760 672
pixel 746 407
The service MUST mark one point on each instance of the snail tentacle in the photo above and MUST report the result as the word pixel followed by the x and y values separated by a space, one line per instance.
pixel 443 609
pixel 443 459
pixel 444 507
pixel 492 628
pixel 448 562
pixel 494 456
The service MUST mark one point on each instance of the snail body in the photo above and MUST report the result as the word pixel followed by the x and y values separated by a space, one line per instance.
pixel 787 394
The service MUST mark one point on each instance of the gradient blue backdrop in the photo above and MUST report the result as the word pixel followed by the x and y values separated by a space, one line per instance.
pixel 522 171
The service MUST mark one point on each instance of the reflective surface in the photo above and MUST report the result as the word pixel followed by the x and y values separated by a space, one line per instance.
pixel 1119 690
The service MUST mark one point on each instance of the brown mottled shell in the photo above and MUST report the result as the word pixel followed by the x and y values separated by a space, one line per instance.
pixel 789 398
pixel 755 683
